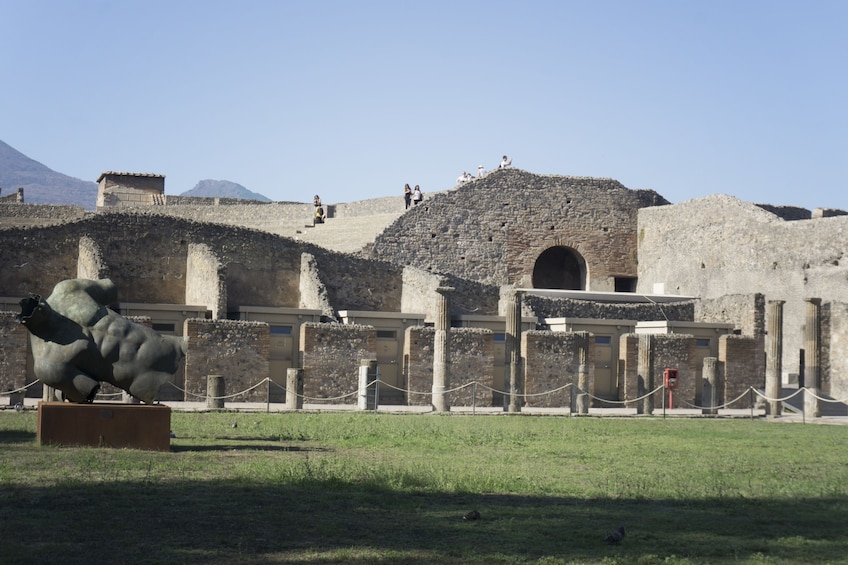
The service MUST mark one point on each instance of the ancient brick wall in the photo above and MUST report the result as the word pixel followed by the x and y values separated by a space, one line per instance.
pixel 551 361
pixel 747 312
pixel 670 351
pixel 14 213
pixel 493 229
pixel 628 369
pixel 544 307
pixel 13 354
pixel 729 247
pixel 331 357
pixel 471 359
pixel 147 257
pixel 742 362
pixel 835 342
pixel 237 350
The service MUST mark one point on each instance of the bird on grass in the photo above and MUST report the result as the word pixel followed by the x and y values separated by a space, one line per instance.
pixel 473 515
pixel 616 536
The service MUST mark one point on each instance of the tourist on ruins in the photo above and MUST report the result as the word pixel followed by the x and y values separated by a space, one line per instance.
pixel 481 172
pixel 505 163
pixel 407 195
pixel 464 177
pixel 316 200
pixel 319 214
pixel 417 195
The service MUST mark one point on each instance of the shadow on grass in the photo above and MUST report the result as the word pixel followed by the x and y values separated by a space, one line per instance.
pixel 245 447
pixel 16 436
pixel 321 523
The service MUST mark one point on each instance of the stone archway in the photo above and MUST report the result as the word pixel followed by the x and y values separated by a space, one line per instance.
pixel 560 268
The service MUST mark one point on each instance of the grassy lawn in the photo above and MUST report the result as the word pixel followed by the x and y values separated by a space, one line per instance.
pixel 390 488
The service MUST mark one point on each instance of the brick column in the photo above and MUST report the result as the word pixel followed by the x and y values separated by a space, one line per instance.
pixel 582 372
pixel 513 349
pixel 441 350
pixel 646 374
pixel 774 356
pixel 812 353
pixel 711 393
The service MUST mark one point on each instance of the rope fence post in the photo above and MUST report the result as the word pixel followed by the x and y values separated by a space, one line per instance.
pixel 294 389
pixel 367 384
pixel 215 392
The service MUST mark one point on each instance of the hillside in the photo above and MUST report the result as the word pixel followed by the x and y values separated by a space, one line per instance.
pixel 224 188
pixel 41 184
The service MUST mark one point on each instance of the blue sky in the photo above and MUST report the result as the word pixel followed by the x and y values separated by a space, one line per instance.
pixel 351 100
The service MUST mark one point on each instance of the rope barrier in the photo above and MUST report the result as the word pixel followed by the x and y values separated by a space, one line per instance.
pixel 245 391
pixel 17 390
pixel 485 387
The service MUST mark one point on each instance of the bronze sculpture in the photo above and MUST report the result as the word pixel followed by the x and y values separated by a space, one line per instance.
pixel 77 343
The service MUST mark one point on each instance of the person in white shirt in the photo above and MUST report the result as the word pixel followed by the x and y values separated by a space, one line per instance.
pixel 505 163
pixel 480 171
pixel 417 196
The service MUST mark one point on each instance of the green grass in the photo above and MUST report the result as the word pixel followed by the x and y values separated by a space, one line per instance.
pixel 388 488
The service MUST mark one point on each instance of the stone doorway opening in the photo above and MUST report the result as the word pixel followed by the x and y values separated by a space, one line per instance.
pixel 560 268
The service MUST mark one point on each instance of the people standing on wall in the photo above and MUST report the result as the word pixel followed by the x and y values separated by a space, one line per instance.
pixel 407 195
pixel 417 195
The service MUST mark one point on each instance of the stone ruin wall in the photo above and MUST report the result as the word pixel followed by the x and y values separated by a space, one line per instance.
pixel 741 365
pixel 747 312
pixel 471 360
pixel 331 357
pixel 728 247
pixel 544 307
pixel 551 361
pixel 147 257
pixel 492 229
pixel 13 213
pixel 14 340
pixel 237 350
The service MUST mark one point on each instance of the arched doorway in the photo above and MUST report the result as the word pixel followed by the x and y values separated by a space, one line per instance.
pixel 561 268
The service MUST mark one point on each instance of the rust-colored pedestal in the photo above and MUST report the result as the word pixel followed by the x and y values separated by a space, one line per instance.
pixel 105 425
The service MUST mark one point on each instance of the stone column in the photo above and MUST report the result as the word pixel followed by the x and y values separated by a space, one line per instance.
pixel 646 374
pixel 441 350
pixel 214 392
pixel 710 395
pixel 582 341
pixel 774 356
pixel 48 393
pixel 294 389
pixel 812 353
pixel 513 349
pixel 368 383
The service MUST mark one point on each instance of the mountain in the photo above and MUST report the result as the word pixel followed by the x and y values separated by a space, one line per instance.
pixel 42 185
pixel 224 189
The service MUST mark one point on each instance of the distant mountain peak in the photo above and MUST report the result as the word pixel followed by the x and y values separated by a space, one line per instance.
pixel 41 184
pixel 224 189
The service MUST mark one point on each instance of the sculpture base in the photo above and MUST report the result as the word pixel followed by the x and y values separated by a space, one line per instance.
pixel 105 425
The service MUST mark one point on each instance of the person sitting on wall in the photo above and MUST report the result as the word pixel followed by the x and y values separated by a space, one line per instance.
pixel 316 200
pixel 463 178
pixel 481 172
pixel 319 215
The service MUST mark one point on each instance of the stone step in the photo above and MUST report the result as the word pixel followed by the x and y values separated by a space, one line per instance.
pixel 347 234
